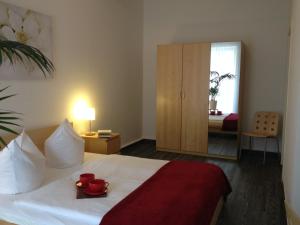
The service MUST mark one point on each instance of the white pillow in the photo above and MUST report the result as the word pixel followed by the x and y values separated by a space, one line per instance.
pixel 22 166
pixel 64 148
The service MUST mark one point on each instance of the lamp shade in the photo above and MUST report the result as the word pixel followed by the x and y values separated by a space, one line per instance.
pixel 89 114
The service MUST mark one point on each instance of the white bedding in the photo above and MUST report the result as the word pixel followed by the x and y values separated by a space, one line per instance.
pixel 55 202
pixel 216 121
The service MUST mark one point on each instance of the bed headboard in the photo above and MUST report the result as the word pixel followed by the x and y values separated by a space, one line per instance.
pixel 5 223
pixel 38 136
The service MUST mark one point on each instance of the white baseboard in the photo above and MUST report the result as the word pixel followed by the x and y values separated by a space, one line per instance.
pixel 149 138
pixel 131 142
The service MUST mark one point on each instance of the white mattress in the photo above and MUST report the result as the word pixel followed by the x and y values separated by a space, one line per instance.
pixel 55 202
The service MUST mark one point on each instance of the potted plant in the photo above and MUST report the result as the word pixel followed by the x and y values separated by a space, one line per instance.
pixel 19 52
pixel 215 81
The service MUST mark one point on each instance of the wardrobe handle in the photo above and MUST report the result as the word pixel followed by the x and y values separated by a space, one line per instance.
pixel 182 94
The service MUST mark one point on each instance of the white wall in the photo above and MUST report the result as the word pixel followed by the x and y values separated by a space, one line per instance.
pixel 98 57
pixel 261 25
pixel 291 165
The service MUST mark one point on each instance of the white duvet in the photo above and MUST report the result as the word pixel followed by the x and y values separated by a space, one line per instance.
pixel 55 202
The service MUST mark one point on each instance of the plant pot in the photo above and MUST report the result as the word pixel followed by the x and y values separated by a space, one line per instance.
pixel 213 104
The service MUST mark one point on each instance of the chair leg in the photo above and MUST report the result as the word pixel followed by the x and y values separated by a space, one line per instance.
pixel 265 149
pixel 278 148
pixel 277 141
pixel 240 148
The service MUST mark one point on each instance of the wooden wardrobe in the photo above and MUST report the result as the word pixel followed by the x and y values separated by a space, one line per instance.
pixel 182 97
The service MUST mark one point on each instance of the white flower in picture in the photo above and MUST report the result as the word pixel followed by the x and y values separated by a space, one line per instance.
pixel 28 27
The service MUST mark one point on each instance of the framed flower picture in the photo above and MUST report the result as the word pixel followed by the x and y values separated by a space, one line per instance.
pixel 28 27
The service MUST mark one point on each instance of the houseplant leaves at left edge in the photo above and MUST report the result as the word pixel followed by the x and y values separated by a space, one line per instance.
pixel 18 52
pixel 7 118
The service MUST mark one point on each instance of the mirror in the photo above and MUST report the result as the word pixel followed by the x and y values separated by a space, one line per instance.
pixel 224 92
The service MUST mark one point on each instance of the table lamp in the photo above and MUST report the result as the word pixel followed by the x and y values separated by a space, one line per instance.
pixel 89 114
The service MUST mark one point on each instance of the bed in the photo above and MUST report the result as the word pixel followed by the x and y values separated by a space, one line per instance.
pixel 226 123
pixel 55 203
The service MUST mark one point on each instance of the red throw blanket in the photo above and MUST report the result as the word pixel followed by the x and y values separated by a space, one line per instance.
pixel 180 193
pixel 230 123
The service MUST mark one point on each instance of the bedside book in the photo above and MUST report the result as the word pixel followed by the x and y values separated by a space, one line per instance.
pixel 105 135
pixel 104 132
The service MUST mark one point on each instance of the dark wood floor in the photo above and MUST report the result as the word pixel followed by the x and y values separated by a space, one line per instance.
pixel 257 197
pixel 222 144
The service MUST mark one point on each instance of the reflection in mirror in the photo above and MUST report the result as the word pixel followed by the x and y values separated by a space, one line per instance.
pixel 224 98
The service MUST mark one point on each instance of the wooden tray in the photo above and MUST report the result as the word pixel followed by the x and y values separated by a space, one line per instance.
pixel 81 195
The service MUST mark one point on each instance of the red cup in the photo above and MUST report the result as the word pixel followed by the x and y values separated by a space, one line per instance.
pixel 98 185
pixel 86 178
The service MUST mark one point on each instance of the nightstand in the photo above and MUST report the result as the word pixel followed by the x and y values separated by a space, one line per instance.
pixel 95 144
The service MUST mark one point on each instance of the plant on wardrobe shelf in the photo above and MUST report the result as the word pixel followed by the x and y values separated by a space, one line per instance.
pixel 18 52
pixel 215 81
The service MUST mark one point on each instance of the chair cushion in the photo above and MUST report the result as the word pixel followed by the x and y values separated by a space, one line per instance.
pixel 64 148
pixel 22 166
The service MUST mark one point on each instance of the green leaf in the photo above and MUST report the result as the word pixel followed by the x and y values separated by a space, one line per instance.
pixel 7 129
pixel 3 89
pixel 18 51
pixel 8 96
pixel 9 118
pixel 1 57
pixel 8 55
pixel 2 141
pixel 10 123
pixel 9 113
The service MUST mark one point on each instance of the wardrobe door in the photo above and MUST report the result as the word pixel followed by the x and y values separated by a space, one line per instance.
pixel 196 71
pixel 169 86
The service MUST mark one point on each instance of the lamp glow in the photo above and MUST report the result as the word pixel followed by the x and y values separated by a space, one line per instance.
pixel 79 109
pixel 89 114
pixel 82 112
